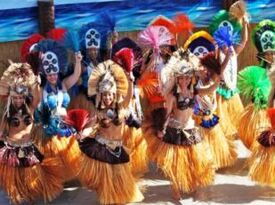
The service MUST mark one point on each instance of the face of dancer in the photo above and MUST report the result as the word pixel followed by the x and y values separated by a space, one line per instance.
pixel 270 56
pixel 18 100
pixel 184 81
pixel 52 78
pixel 108 98
pixel 92 53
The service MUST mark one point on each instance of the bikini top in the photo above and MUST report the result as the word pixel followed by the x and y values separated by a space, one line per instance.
pixel 14 121
pixel 184 103
pixel 106 115
pixel 55 98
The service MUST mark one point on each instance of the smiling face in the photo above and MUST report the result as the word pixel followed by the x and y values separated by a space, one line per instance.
pixel 184 81
pixel 17 100
pixel 52 78
pixel 269 56
pixel 107 98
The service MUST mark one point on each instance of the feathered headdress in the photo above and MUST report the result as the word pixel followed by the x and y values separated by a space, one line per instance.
pixel 56 34
pixel 153 38
pixel 222 19
pixel 149 85
pixel 54 58
pixel 29 53
pixel 15 78
pixel 183 23
pixel 210 62
pixel 182 62
pixel 108 76
pixel 254 84
pixel 125 58
pixel 224 37
pixel 200 43
pixel 67 37
pixel 263 36
pixel 98 34
pixel 167 23
pixel 128 43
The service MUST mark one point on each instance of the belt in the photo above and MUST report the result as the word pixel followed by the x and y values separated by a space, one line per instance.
pixel 110 143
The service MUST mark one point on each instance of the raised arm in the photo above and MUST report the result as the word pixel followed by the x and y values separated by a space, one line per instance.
pixel 130 91
pixel 72 79
pixel 227 58
pixel 36 93
pixel 209 88
pixel 240 47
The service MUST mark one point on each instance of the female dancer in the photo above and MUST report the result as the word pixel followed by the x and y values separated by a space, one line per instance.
pixel 229 103
pixel 175 144
pixel 254 116
pixel 127 54
pixel 52 109
pixel 25 174
pixel 104 162
pixel 222 149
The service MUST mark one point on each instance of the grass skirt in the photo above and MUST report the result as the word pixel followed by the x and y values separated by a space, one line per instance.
pixel 262 165
pixel 65 148
pixel 252 123
pixel 188 167
pixel 228 110
pixel 114 183
pixel 222 148
pixel 137 146
pixel 30 183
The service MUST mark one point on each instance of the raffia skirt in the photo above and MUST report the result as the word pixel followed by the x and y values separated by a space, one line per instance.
pixel 187 164
pixel 252 123
pixel 135 142
pixel 108 174
pixel 222 148
pixel 65 148
pixel 262 159
pixel 229 112
pixel 26 175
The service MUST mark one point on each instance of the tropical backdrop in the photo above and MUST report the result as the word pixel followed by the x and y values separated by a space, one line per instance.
pixel 19 18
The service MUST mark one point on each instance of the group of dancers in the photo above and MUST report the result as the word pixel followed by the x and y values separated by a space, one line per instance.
pixel 87 105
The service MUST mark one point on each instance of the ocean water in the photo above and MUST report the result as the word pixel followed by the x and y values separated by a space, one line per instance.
pixel 131 15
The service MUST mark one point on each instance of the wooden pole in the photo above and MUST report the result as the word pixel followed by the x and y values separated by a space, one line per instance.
pixel 46 16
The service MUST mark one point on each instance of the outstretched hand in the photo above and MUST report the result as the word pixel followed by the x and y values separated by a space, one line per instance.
pixel 78 57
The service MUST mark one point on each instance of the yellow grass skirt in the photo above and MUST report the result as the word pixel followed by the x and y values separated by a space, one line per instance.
pixel 229 112
pixel 135 142
pixel 252 123
pixel 114 183
pixel 65 148
pixel 27 184
pixel 262 165
pixel 222 148
pixel 188 167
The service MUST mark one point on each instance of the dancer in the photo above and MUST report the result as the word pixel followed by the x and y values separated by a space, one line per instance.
pixel 255 85
pixel 51 110
pixel 229 102
pixel 104 162
pixel 26 174
pixel 127 54
pixel 222 148
pixel 174 142
pixel 254 118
